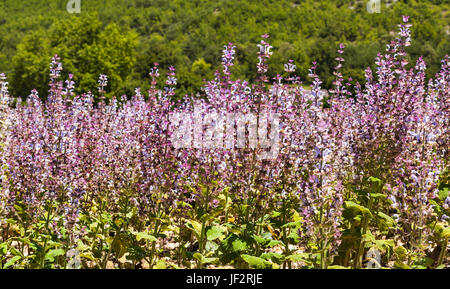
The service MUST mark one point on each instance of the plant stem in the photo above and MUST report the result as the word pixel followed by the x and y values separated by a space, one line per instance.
pixel 443 251
pixel 47 220
pixel 359 256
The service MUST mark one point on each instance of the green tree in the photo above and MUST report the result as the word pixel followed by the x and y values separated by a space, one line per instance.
pixel 87 49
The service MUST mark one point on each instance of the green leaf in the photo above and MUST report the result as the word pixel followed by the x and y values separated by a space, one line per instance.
pixel 274 257
pixel 274 243
pixel 120 244
pixel 211 246
pixel 441 230
pixel 389 221
pixel 443 194
pixel 437 207
pixel 297 217
pixel 198 256
pixel 260 240
pixel 203 189
pixel 301 257
pixel 446 232
pixel 12 261
pixel 401 253
pixel 88 256
pixel 214 233
pixel 3 249
pixel 11 221
pixel 195 227
pixel 15 251
pixel 368 237
pixel 130 215
pixel 376 181
pixel 145 236
pixel 161 264
pixel 377 196
pixel 135 253
pixel 33 245
pixel 294 236
pixel 295 224
pixel 239 245
pixel 50 256
pixel 204 260
pixel 81 246
pixel 209 260
pixel 275 214
pixel 401 265
pixel 385 244
pixel 355 206
pixel 256 262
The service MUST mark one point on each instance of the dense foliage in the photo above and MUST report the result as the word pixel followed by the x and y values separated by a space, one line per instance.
pixel 358 180
pixel 124 38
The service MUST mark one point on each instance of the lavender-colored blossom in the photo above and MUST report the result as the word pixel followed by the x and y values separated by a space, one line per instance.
pixel 167 156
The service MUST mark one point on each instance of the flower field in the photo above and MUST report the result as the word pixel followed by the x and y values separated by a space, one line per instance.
pixel 261 174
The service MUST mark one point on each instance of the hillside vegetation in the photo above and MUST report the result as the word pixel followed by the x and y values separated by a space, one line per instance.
pixel 123 38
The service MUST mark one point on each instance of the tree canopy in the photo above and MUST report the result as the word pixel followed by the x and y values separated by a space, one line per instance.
pixel 124 38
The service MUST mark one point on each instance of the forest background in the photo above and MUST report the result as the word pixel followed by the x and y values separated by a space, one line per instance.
pixel 123 38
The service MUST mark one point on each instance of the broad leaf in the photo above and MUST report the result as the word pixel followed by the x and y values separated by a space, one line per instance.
pixel 145 236
pixel 256 262
pixel 50 256
pixel 12 261
pixel 215 232
pixel 355 206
